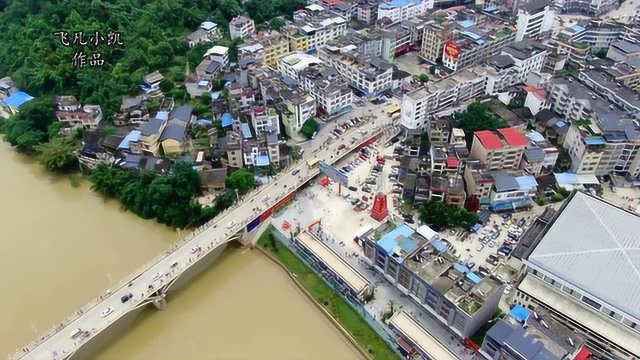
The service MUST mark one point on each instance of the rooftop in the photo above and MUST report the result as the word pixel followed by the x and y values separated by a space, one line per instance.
pixel 609 83
pixel 18 99
pixel 489 139
pixel 513 136
pixel 592 245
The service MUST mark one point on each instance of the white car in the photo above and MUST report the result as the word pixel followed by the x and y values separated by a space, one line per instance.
pixel 480 247
pixel 507 290
pixel 492 243
pixel 194 249
pixel 231 224
pixel 106 312
pixel 157 276
pixel 265 198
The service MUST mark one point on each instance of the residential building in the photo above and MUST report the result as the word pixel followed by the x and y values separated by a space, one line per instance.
pixel 151 84
pixel 623 51
pixel 369 75
pixel 618 94
pixel 448 189
pixel 437 32
pixel 528 56
pixel 551 126
pixel 265 119
pixel 313 27
pixel 92 154
pixel 211 28
pixel 219 54
pixel 525 336
pixel 400 10
pixel 458 137
pixel 262 151
pixel 512 190
pixel 12 103
pixel 415 339
pixel 266 46
pixel 333 95
pixel 214 179
pixel 197 88
pixel 534 19
pixel 540 156
pixel 419 265
pixel 591 8
pixel 242 97
pixel 501 150
pixel 151 132
pixel 233 147
pixel 477 37
pixel 536 99
pixel 598 34
pixel 208 31
pixel 293 63
pixel 294 105
pixel 208 70
pixel 478 180
pixel 576 52
pixel 554 62
pixel 367 11
pixel 73 115
pixel 419 104
pixel 609 144
pixel 626 72
pixel 241 27
pixel 133 111
pixel 579 269
pixel 573 100
pixel 173 136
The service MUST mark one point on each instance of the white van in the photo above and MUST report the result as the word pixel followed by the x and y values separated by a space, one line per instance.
pixel 77 332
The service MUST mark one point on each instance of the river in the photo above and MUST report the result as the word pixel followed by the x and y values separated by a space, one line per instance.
pixel 62 245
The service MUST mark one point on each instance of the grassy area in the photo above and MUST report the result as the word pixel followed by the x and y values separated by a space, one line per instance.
pixel 332 302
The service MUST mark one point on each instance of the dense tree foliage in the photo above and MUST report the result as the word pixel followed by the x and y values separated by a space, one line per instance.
pixel 241 180
pixel 31 126
pixel 440 215
pixel 309 128
pixel 167 198
pixel 58 155
pixel 478 116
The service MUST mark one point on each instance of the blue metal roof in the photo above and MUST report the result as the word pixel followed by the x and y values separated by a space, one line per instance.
pixel 390 240
pixel 132 136
pixel 18 99
pixel 439 245
pixel 162 115
pixel 472 35
pixel 526 182
pixel 463 269
pixel 491 8
pixel 566 178
pixel 578 28
pixel 226 119
pixel 594 140
pixel 398 3
pixel 262 160
pixel 465 23
pixel 520 313
pixel 473 277
pixel 246 131
pixel 561 123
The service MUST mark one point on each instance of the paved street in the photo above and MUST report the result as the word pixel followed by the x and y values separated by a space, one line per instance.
pixel 108 307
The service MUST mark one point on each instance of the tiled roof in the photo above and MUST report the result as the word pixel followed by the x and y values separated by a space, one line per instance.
pixel 513 136
pixel 489 140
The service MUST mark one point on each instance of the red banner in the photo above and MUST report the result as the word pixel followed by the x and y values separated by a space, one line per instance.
pixel 452 50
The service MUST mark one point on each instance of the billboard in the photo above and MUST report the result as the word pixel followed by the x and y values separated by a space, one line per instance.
pixel 333 174
pixel 267 214
pixel 452 50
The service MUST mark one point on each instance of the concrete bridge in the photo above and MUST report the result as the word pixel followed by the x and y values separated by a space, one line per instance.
pixel 103 319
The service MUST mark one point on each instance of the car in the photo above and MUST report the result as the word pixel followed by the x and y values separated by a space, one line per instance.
pixel 346 168
pixel 471 265
pixel 366 189
pixel 126 297
pixel 492 243
pixel 106 312
pixel 507 290
pixel 354 201
pixel 480 247
pixel 295 172
pixel 409 221
pixel 484 231
pixel 157 276
pixel 394 140
pixel 231 224
pixel 353 188
pixel 195 249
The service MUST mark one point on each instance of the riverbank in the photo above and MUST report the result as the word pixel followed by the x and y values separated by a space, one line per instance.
pixel 334 306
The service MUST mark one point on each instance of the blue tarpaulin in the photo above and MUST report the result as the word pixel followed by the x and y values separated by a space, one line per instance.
pixel 226 119
pixel 18 99
pixel 475 227
pixel 262 160
pixel 439 245
pixel 132 136
pixel 390 240
pixel 473 277
pixel 463 269
pixel 520 313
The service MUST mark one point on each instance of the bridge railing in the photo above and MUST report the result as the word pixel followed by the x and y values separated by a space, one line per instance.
pixel 128 279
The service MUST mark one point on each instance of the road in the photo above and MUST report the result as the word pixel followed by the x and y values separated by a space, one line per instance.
pixel 167 267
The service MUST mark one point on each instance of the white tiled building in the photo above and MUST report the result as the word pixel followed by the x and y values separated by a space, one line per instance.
pixel 534 18
pixel 241 27
pixel 400 10
pixel 292 64
pixel 328 87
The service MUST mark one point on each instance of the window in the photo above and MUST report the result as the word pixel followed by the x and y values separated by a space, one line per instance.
pixel 591 303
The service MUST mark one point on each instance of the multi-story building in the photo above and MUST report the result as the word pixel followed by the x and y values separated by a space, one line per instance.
pixel 540 156
pixel 501 150
pixel 615 93
pixel 554 62
pixel 576 52
pixel 534 18
pixel 73 115
pixel 292 64
pixel 512 190
pixel 151 132
pixel 478 180
pixel 437 32
pixel 367 11
pixel 528 56
pixel 294 105
pixel 265 119
pixel 333 95
pixel 598 34
pixel 313 27
pixel 613 150
pixel 220 54
pixel 591 8
pixel 233 145
pixel 369 75
pixel 241 27
pixel 580 269
pixel 418 264
pixel 266 46
pixel 573 100
pixel 399 10
pixel 626 72
pixel 261 151
pixel 419 104
pixel 241 96
pixel 477 37
pixel 623 51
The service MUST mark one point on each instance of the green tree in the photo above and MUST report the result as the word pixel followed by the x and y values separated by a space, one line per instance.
pixel 241 180
pixel 53 131
pixel 58 155
pixel 309 128
pixel 28 140
pixel 478 116
pixel 276 24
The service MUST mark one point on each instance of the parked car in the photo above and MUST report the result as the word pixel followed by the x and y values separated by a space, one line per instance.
pixel 231 224
pixel 342 146
pixel 353 188
pixel 295 172
pixel 106 312
pixel 507 290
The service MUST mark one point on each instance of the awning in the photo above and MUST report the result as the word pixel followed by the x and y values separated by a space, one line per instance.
pixel 404 344
pixel 583 354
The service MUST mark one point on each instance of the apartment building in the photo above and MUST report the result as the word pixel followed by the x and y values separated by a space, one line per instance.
pixel 265 119
pixel 500 150
pixel 313 27
pixel 419 265
pixel 540 156
pixel 369 75
pixel 293 63
pixel 595 296
pixel 241 27
pixel 401 38
pixel 477 37
pixel 220 54
pixel 573 100
pixel 598 34
pixel 151 132
pixel 294 105
pixel 616 93
pixel 576 52
pixel 74 115
pixel 512 190
pixel 367 11
pixel 400 10
pixel 478 180
pixel 266 46
pixel 419 104
pixel 625 72
pixel 609 144
pixel 623 50
pixel 233 145
pixel 332 93
pixel 534 19
pixel 242 97
pixel 261 151
pixel 593 8
pixel 437 32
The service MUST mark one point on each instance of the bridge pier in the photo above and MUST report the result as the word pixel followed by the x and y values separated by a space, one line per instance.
pixel 160 303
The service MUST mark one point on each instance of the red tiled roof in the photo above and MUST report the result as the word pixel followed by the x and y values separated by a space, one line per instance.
pixel 583 354
pixel 489 140
pixel 513 136
pixel 453 162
